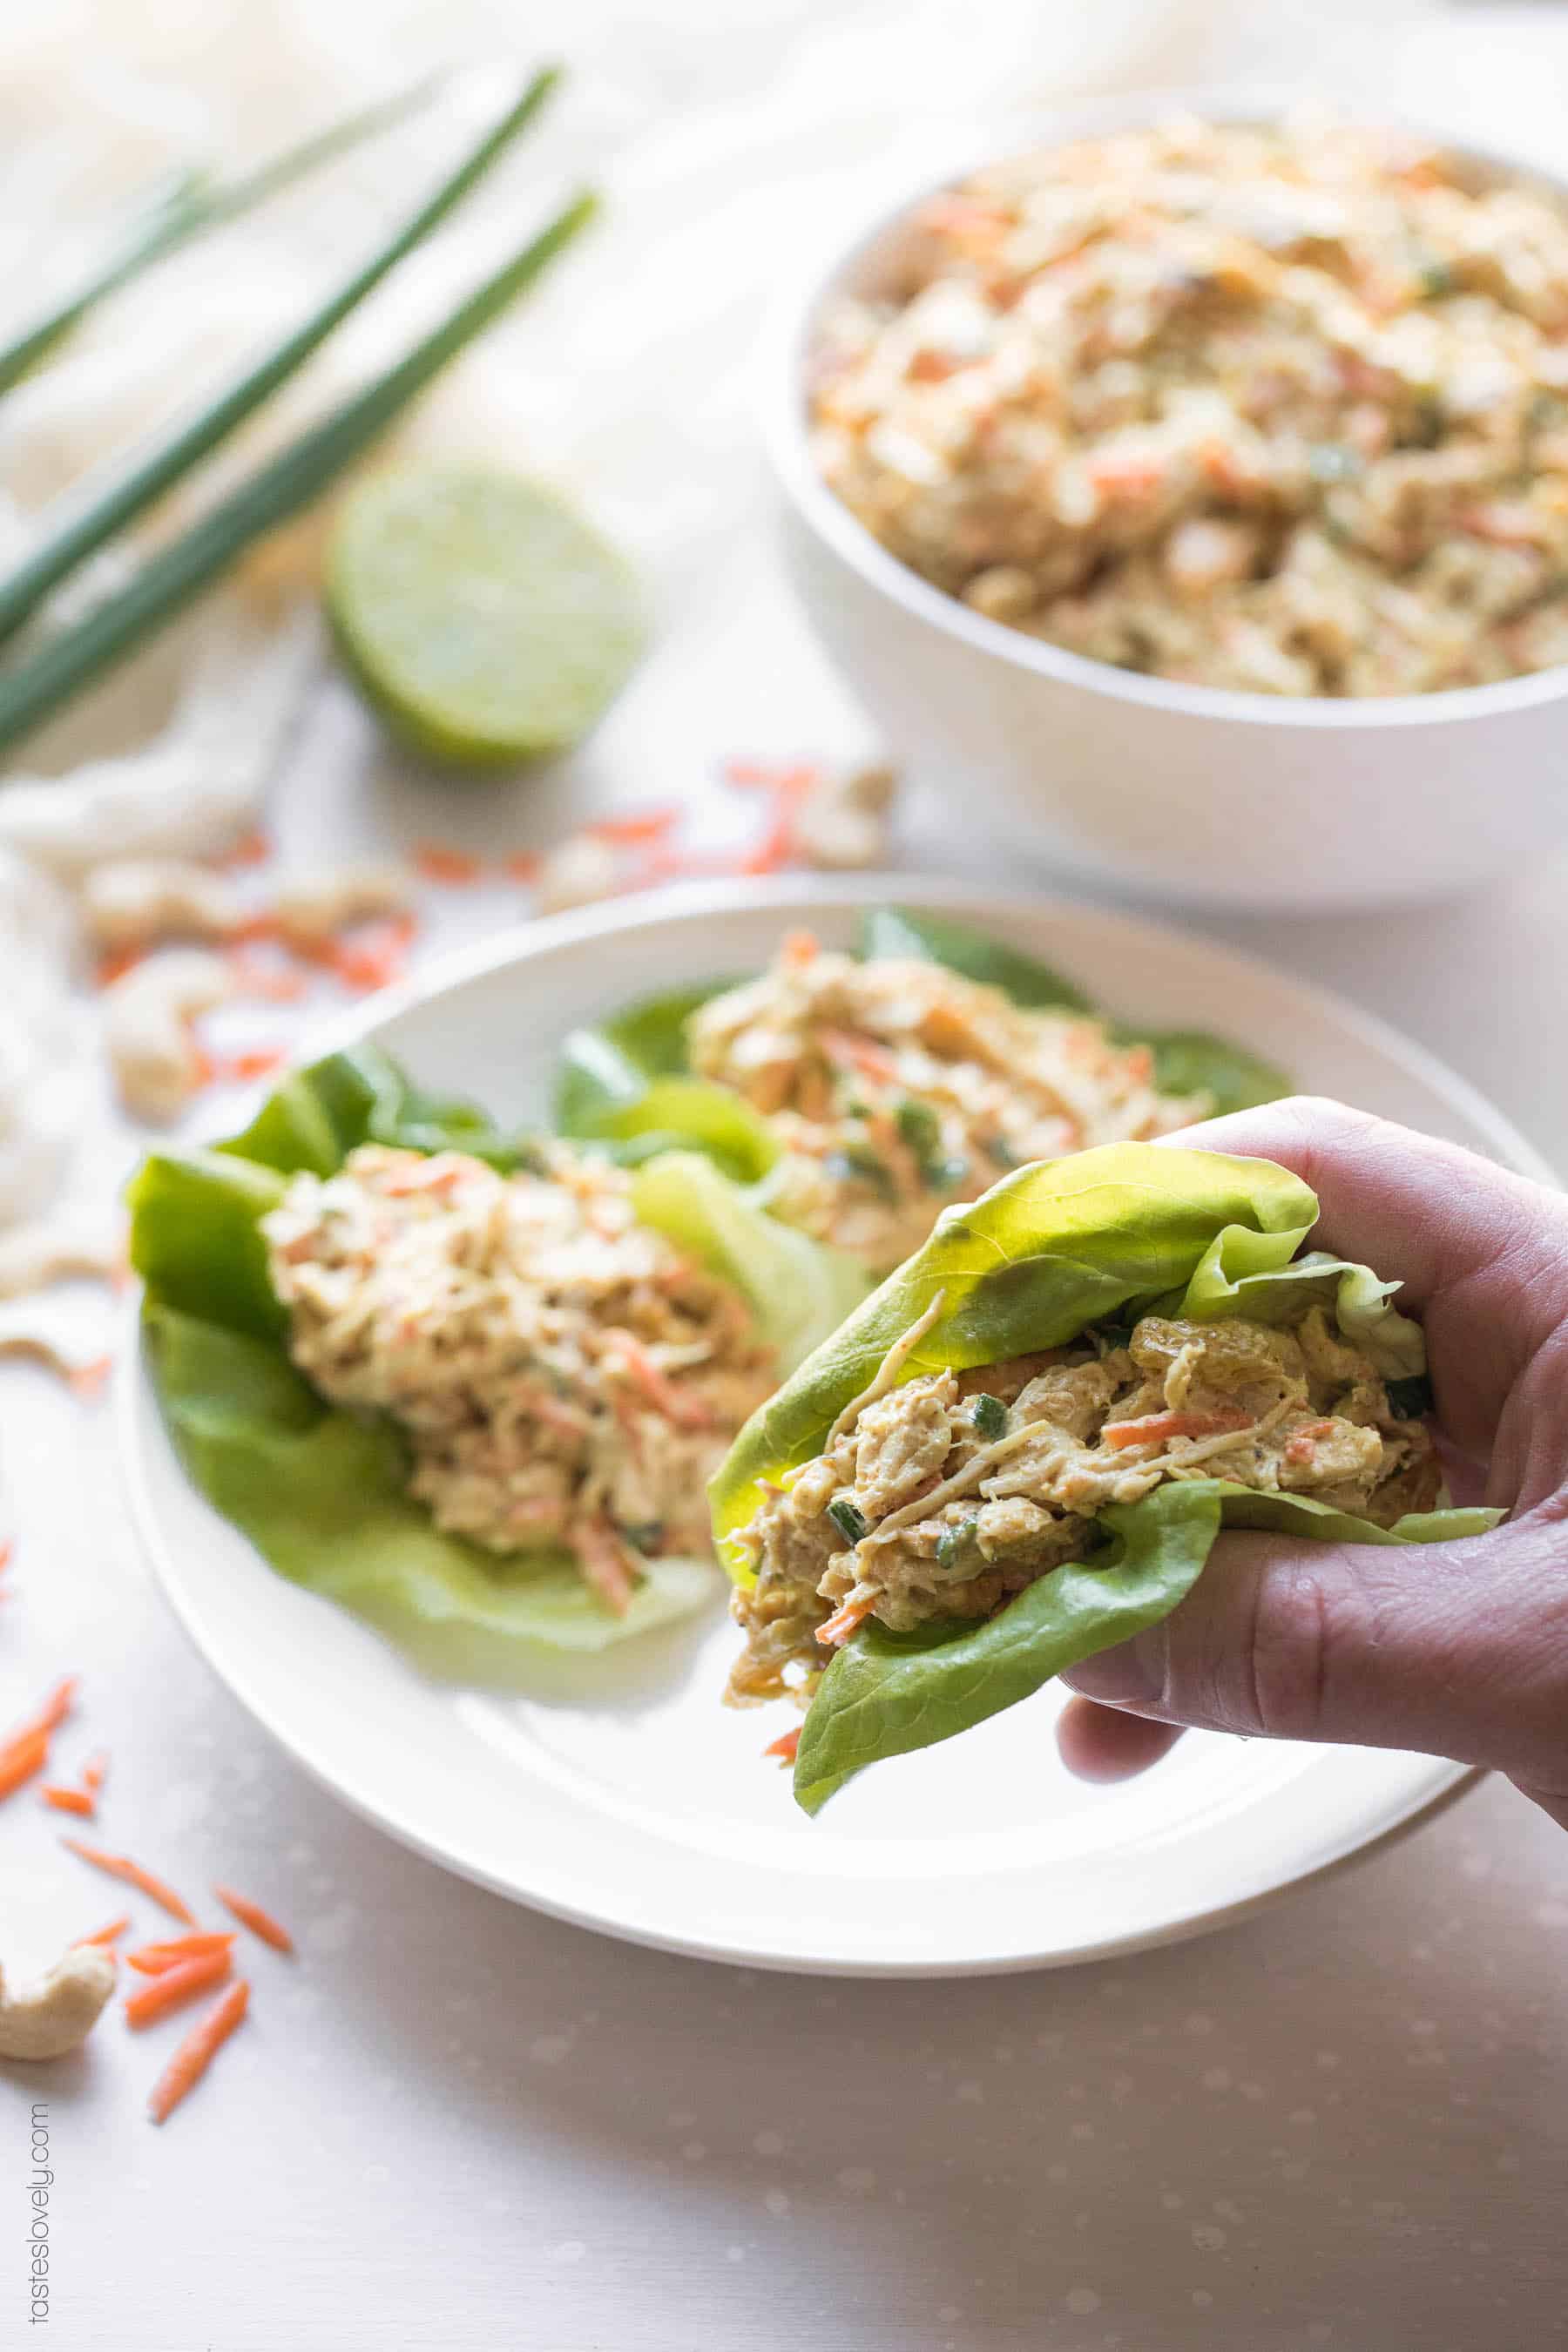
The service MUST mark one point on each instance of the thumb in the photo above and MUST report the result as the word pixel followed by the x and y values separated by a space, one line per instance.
pixel 1457 1649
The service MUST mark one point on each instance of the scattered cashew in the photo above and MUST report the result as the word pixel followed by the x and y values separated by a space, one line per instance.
pixel 58 1249
pixel 146 1017
pixel 312 909
pixel 135 901
pixel 577 873
pixel 56 2015
pixel 843 822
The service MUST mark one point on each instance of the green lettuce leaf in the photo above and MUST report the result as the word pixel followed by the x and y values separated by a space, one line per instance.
pixel 885 1694
pixel 321 1495
pixel 1226 1282
pixel 320 1492
pixel 1191 1062
pixel 1046 1251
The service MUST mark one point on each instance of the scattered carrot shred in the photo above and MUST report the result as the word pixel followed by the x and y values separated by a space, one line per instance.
pixel 636 826
pixel 785 1745
pixel 94 1772
pixel 197 2050
pixel 7 1549
pixel 252 848
pixel 21 1760
pixel 274 984
pixel 110 1934
pixel 256 1064
pixel 522 865
pixel 204 1069
pixel 68 1800
pixel 153 1959
pixel 174 1986
pixel 259 1922
pixel 121 1865
pixel 87 1381
pixel 50 1716
pixel 438 863
pixel 786 790
pixel 749 773
pixel 798 949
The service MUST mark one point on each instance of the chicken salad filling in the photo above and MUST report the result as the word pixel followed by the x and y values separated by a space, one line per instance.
pixel 896 1087
pixel 1283 410
pixel 944 1495
pixel 563 1376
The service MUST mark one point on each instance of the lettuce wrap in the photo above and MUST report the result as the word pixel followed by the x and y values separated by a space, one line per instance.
pixel 1080 1247
pixel 323 1492
pixel 628 1080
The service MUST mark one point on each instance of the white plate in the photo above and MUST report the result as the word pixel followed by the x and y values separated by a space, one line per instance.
pixel 618 1792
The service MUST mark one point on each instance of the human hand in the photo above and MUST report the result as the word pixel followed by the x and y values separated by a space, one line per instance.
pixel 1457 1649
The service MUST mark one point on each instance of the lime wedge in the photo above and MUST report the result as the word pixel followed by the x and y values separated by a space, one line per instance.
pixel 485 622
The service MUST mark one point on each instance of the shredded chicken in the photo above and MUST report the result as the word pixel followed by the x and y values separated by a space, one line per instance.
pixel 1282 409
pixel 949 1494
pixel 563 1376
pixel 896 1087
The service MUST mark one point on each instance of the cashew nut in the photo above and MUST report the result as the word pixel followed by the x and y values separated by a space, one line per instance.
pixel 844 822
pixel 577 873
pixel 147 1013
pixel 134 901
pixel 57 1249
pixel 314 908
pixel 55 2016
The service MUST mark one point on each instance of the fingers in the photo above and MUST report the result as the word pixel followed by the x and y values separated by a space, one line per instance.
pixel 1099 1743
pixel 1457 1649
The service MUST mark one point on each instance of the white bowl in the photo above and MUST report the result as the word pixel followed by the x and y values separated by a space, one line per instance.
pixel 1184 792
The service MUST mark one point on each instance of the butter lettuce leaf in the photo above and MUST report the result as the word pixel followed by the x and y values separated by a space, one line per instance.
pixel 322 1492
pixel 885 1694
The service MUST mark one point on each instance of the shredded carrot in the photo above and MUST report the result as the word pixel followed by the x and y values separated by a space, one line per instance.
pixel 107 1935
pixel 636 826
pixel 121 1865
pixel 687 1411
pixel 252 848
pixel 1303 1444
pixel 798 949
pixel 153 1959
pixel 94 1771
pixel 259 1922
pixel 197 2050
pixel 605 1564
pixel 116 963
pixel 274 984
pixel 437 863
pixel 1157 1428
pixel 522 865
pixel 785 1745
pixel 21 1759
pixel 7 1547
pixel 175 1986
pixel 204 1069
pixel 749 773
pixel 372 960
pixel 849 1049
pixel 87 1381
pixel 839 1626
pixel 258 1063
pixel 777 844
pixel 68 1800
pixel 50 1716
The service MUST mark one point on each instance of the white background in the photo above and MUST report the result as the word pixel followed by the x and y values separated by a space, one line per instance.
pixel 451 2124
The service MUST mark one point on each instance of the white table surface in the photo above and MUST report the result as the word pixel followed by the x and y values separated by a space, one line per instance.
pixel 451 2123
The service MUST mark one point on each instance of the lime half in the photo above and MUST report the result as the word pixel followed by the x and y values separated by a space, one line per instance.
pixel 485 621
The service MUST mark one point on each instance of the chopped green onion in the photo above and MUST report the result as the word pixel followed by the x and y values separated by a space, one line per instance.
pixel 919 1125
pixel 1436 279
pixel 278 489
pixel 848 1519
pixel 1412 1399
pixel 93 515
pixel 186 205
pixel 954 1540
pixel 989 1416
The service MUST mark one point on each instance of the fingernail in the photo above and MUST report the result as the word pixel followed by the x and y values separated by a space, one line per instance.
pixel 1131 1675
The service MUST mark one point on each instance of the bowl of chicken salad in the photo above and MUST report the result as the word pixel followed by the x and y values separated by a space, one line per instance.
pixel 526 1400
pixel 1190 487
